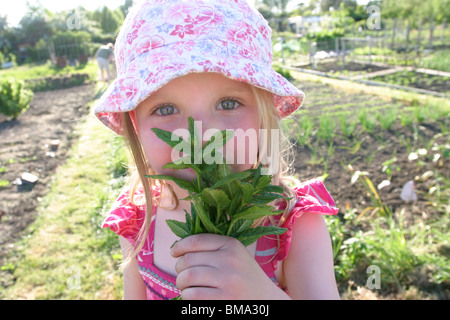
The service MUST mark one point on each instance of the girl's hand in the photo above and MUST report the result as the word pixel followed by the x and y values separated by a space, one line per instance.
pixel 218 267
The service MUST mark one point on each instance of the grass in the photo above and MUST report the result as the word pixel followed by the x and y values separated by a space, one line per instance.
pixel 34 71
pixel 65 254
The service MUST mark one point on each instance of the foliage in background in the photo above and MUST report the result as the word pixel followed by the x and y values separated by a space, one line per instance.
pixel 39 27
pixel 14 98
pixel 48 77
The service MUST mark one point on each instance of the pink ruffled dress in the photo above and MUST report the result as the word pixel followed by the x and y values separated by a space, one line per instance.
pixel 125 219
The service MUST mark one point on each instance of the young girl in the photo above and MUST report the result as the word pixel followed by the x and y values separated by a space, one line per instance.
pixel 211 60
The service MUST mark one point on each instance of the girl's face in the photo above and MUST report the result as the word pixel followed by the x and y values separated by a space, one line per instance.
pixel 215 102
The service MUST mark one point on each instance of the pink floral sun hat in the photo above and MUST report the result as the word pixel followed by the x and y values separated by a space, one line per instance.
pixel 161 40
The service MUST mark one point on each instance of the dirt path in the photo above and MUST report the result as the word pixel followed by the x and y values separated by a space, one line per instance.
pixel 25 146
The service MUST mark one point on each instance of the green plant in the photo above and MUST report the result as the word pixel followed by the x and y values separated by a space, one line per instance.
pixel 118 161
pixel 420 113
pixel 222 202
pixel 390 251
pixel 349 248
pixel 377 203
pixel 389 166
pixel 326 128
pixel 14 98
pixel 387 118
pixel 305 130
pixel 367 121
pixel 4 183
pixel 347 128
pixel 406 119
pixel 285 73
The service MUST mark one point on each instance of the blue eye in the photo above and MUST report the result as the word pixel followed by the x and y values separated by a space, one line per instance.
pixel 229 104
pixel 165 110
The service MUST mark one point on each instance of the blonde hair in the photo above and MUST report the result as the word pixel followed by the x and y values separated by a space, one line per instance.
pixel 269 119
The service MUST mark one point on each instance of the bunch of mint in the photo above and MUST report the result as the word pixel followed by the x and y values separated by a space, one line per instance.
pixel 222 202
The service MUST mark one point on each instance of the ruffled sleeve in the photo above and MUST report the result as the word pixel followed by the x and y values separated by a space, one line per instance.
pixel 125 218
pixel 312 197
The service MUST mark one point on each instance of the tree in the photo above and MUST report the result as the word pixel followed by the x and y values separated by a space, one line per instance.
pixel 35 23
pixel 276 6
pixel 110 20
pixel 5 43
pixel 126 6
pixel 417 10
pixel 325 5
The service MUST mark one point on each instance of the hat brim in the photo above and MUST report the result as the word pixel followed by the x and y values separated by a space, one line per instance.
pixel 166 63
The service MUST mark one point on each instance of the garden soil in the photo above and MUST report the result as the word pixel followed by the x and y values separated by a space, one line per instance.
pixel 37 142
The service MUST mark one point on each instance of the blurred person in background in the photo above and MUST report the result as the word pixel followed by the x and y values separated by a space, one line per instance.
pixel 105 55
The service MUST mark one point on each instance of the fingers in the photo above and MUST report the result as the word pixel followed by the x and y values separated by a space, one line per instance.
pixel 201 276
pixel 191 259
pixel 199 242
pixel 203 261
pixel 202 293
pixel 204 258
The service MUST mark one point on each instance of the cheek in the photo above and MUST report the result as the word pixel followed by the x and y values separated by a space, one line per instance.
pixel 158 152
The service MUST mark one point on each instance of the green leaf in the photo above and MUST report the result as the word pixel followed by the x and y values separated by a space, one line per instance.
pixel 172 165
pixel 195 142
pixel 273 188
pixel 222 171
pixel 205 219
pixel 263 182
pixel 223 227
pixel 255 212
pixel 217 198
pixel 183 163
pixel 247 237
pixel 218 140
pixel 247 192
pixel 168 137
pixel 180 182
pixel 195 221
pixel 240 226
pixel 235 204
pixel 197 226
pixel 188 220
pixel 256 175
pixel 179 228
pixel 265 198
pixel 231 177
